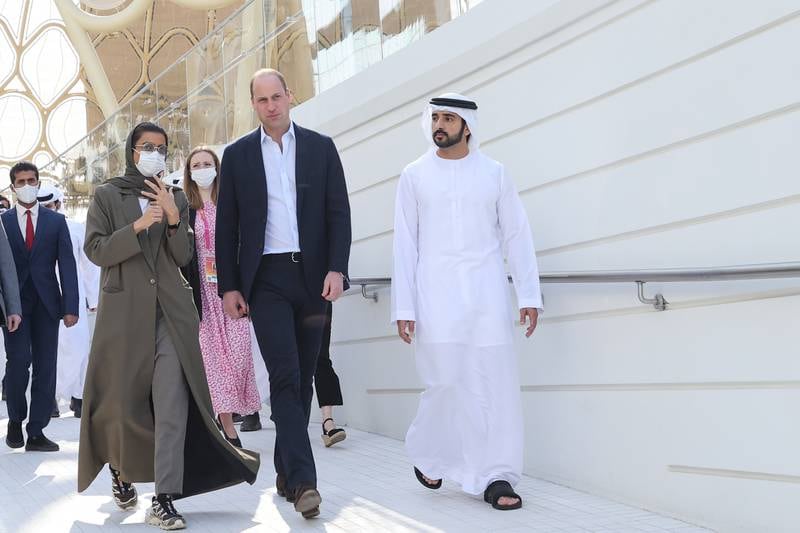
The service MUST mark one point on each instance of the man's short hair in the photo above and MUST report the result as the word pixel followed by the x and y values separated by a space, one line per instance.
pixel 268 72
pixel 22 166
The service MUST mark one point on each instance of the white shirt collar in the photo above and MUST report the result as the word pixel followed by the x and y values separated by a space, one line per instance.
pixel 34 210
pixel 289 132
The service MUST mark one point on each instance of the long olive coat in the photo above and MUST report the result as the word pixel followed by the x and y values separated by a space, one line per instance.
pixel 139 272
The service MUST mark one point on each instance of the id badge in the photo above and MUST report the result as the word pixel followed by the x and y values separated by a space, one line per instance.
pixel 210 268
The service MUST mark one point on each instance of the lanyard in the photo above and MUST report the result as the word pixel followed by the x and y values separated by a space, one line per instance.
pixel 206 233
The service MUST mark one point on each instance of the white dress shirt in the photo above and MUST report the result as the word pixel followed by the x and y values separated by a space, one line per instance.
pixel 281 234
pixel 22 218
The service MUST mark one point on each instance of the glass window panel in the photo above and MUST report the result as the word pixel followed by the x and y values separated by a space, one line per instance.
pixel 171 86
pixel 206 111
pixel 406 21
pixel 204 61
pixel 239 115
pixel 143 106
pixel 119 126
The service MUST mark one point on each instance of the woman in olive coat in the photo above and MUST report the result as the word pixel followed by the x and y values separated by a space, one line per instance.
pixel 146 406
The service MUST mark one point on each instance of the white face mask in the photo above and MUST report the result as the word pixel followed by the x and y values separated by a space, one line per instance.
pixel 151 163
pixel 204 177
pixel 26 194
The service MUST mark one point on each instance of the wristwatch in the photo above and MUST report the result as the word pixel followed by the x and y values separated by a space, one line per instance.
pixel 174 226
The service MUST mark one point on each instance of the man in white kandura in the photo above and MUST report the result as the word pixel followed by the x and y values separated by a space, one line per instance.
pixel 456 213
pixel 74 342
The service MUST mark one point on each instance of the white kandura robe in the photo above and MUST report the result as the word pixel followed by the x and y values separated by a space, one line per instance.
pixel 74 342
pixel 453 221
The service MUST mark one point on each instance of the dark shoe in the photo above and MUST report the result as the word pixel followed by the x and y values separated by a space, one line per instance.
pixel 40 443
pixel 4 391
pixel 55 413
pixel 124 493
pixel 162 513
pixel 329 438
pixel 237 418
pixel 251 423
pixel 306 501
pixel 235 440
pixel 499 489
pixel 421 479
pixel 14 438
pixel 280 486
pixel 76 406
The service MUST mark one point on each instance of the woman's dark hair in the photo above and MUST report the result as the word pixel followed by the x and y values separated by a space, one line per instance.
pixel 190 187
pixel 143 127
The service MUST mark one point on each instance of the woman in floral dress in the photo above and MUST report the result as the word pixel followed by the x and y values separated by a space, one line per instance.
pixel 225 343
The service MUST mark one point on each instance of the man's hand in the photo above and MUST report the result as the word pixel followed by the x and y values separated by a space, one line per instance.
pixel 163 198
pixel 405 328
pixel 152 215
pixel 531 314
pixel 13 322
pixel 333 286
pixel 234 305
pixel 70 320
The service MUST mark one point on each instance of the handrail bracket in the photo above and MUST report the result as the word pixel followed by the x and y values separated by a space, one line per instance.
pixel 369 295
pixel 659 302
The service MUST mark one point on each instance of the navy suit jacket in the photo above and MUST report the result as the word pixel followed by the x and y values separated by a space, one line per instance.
pixel 323 211
pixel 52 248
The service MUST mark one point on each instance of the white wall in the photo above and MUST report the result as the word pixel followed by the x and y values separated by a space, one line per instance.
pixel 641 134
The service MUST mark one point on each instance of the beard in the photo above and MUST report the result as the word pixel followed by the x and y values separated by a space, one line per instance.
pixel 449 141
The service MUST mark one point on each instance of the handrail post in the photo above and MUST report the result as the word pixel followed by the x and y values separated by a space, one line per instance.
pixel 659 302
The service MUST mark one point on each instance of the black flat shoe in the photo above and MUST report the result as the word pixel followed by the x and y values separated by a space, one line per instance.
pixel 235 440
pixel 55 413
pixel 421 479
pixel 40 443
pixel 251 423
pixel 14 437
pixel 76 406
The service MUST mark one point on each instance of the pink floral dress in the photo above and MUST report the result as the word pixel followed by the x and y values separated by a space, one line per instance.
pixel 224 342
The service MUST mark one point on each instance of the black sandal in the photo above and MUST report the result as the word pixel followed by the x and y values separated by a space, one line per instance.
pixel 501 489
pixel 329 438
pixel 421 479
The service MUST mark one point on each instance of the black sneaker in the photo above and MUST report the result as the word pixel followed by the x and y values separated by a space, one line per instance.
pixel 124 493
pixel 14 438
pixel 251 423
pixel 163 514
pixel 40 443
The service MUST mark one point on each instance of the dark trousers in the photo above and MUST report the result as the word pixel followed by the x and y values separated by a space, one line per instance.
pixel 329 392
pixel 34 343
pixel 288 322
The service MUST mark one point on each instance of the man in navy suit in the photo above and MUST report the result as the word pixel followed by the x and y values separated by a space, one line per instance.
pixel 40 244
pixel 282 248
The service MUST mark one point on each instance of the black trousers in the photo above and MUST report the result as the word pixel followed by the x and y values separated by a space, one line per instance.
pixel 288 321
pixel 329 392
pixel 35 344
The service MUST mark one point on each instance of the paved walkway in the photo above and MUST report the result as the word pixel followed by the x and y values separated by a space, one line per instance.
pixel 366 484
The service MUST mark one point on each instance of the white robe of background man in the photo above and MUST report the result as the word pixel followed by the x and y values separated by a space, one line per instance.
pixel 454 220
pixel 74 342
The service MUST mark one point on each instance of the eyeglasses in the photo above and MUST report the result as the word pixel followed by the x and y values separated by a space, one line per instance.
pixel 150 147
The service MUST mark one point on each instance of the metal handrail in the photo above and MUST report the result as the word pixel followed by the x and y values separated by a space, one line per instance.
pixel 640 277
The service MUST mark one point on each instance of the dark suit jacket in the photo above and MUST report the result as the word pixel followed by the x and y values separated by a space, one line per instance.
pixel 323 211
pixel 52 248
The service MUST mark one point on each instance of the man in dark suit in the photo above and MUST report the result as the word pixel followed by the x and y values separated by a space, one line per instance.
pixel 283 244
pixel 40 244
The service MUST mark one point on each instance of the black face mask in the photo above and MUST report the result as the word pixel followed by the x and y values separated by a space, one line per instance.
pixel 448 141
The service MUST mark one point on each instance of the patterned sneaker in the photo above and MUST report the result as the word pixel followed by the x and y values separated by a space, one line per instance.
pixel 163 514
pixel 124 493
